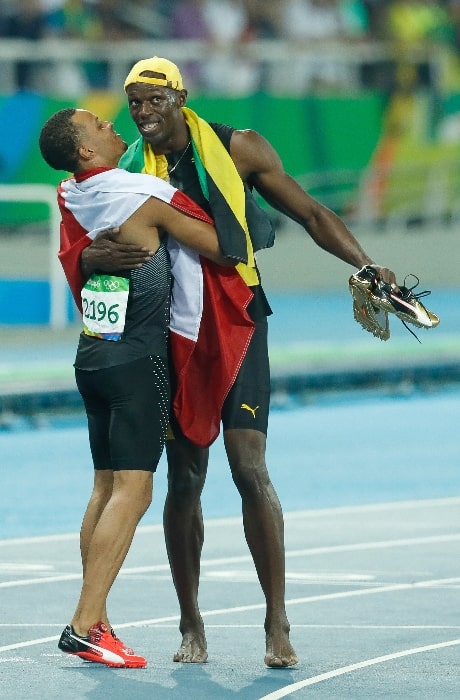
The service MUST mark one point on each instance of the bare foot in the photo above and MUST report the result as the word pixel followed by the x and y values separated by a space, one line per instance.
pixel 193 649
pixel 279 651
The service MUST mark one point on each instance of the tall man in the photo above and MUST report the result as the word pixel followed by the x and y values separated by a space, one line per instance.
pixel 218 166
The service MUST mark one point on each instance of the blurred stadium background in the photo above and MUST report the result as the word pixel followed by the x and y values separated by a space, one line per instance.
pixel 361 98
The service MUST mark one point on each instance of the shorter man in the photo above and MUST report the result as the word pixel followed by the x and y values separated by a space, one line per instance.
pixel 121 364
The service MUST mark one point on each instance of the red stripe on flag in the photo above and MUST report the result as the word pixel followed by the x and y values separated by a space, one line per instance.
pixel 207 369
pixel 73 239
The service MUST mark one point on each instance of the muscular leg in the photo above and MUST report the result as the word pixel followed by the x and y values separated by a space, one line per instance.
pixel 264 530
pixel 104 552
pixel 183 525
pixel 102 491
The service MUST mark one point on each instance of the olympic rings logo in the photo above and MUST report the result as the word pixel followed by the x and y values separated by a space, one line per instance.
pixel 111 285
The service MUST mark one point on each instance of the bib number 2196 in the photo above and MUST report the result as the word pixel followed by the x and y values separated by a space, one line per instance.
pixel 104 302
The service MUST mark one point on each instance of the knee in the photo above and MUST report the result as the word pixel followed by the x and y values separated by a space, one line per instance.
pixel 185 482
pixel 145 501
pixel 246 456
pixel 138 502
pixel 134 490
pixel 250 475
pixel 187 467
pixel 144 495
pixel 102 489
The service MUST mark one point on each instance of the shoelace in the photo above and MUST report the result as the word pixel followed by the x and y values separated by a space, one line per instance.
pixel 127 650
pixel 407 293
pixel 96 636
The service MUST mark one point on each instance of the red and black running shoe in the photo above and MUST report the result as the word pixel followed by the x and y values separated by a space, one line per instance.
pixel 101 646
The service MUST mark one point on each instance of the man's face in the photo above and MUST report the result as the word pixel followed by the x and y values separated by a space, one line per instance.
pixel 156 111
pixel 100 137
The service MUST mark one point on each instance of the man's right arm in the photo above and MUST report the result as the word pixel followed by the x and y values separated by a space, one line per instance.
pixel 260 166
pixel 154 214
pixel 107 254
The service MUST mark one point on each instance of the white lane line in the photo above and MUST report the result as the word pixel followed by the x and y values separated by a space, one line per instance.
pixel 236 520
pixel 30 643
pixel 294 687
pixel 256 626
pixel 261 606
pixel 31 624
pixel 332 577
pixel 358 546
pixel 77 577
pixel 299 601
pixel 44 579
pixel 374 507
pixel 13 567
pixel 16 541
pixel 224 561
pixel 377 544
pixel 433 583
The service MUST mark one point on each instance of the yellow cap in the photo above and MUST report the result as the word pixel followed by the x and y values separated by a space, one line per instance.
pixel 172 79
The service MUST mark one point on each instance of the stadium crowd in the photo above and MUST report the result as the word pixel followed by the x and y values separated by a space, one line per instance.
pixel 227 25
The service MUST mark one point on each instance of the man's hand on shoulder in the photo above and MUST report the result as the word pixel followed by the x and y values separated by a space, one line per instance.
pixel 107 254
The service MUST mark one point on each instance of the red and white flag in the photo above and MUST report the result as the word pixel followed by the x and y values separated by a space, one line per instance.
pixel 210 328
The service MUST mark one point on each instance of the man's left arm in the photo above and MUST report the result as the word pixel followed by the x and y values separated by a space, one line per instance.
pixel 260 166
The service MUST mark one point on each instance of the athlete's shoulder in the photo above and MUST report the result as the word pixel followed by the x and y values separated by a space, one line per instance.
pixel 224 132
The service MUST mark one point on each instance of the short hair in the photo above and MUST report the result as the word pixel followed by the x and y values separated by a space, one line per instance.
pixel 59 140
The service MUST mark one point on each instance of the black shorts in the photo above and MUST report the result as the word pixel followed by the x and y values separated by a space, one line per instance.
pixel 248 401
pixel 127 407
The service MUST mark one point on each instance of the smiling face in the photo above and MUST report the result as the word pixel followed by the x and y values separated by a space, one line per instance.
pixel 157 113
pixel 99 145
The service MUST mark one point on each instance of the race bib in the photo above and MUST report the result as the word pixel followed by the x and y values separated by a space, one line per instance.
pixel 104 301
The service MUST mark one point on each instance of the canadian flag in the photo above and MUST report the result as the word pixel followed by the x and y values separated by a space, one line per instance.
pixel 210 328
